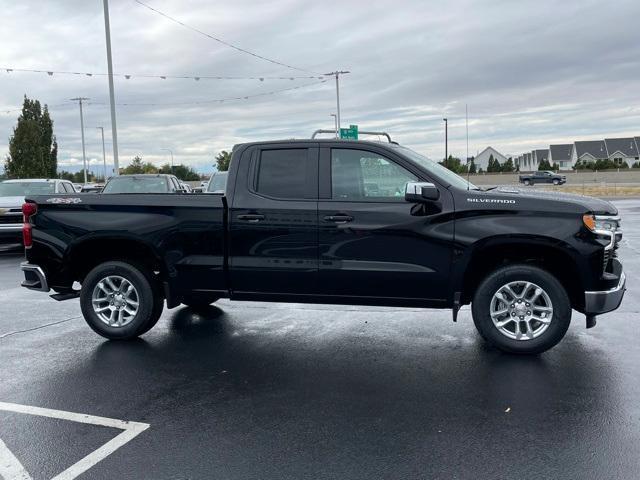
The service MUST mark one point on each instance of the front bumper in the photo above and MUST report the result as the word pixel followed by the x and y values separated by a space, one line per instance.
pixel 605 300
pixel 34 277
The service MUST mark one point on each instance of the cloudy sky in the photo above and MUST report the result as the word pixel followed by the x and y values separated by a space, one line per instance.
pixel 532 72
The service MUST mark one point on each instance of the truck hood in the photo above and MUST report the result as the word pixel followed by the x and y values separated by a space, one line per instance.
pixel 589 204
pixel 11 202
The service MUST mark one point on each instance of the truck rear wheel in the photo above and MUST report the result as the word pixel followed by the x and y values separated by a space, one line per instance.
pixel 521 309
pixel 527 182
pixel 120 300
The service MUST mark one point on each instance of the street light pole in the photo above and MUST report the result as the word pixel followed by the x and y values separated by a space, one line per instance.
pixel 446 139
pixel 84 154
pixel 171 152
pixel 112 98
pixel 104 156
pixel 335 122
pixel 337 74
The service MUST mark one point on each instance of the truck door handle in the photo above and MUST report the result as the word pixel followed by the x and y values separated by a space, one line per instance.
pixel 338 218
pixel 251 217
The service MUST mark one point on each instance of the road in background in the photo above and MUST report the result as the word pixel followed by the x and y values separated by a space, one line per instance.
pixel 276 391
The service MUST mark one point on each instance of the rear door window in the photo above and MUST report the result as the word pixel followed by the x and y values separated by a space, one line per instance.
pixel 286 174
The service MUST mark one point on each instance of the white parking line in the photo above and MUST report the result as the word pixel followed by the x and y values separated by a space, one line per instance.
pixel 12 469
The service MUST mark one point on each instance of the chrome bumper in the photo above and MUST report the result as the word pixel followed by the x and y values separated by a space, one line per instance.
pixel 10 227
pixel 34 277
pixel 606 300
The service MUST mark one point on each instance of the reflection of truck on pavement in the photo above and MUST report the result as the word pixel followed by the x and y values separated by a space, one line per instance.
pixel 321 221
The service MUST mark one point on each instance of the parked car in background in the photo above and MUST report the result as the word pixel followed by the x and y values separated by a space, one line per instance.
pixel 91 188
pixel 186 188
pixel 143 183
pixel 77 187
pixel 218 183
pixel 543 176
pixel 12 195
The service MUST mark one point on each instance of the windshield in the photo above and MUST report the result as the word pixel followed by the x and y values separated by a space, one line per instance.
pixel 436 169
pixel 22 189
pixel 136 185
pixel 218 182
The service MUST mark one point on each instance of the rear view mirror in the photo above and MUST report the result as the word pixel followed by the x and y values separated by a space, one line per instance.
pixel 421 192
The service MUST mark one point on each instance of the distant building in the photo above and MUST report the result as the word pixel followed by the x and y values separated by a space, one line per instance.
pixel 482 159
pixel 540 156
pixel 622 150
pixel 561 154
pixel 589 151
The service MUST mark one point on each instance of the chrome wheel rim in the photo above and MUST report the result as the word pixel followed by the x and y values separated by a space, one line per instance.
pixel 521 310
pixel 115 301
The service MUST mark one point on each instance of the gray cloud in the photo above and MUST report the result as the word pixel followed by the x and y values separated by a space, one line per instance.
pixel 532 72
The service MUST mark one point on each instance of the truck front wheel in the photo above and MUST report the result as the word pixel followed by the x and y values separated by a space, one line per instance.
pixel 521 309
pixel 120 300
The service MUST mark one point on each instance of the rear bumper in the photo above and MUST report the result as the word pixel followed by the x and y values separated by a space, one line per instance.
pixel 606 300
pixel 34 277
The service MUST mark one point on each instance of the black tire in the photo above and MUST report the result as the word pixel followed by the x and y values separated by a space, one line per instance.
pixel 150 300
pixel 527 182
pixel 556 329
pixel 556 182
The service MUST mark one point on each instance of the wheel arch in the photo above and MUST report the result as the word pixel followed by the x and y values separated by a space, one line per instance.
pixel 551 255
pixel 88 253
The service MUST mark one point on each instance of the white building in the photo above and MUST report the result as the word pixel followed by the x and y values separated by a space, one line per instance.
pixel 482 159
pixel 561 154
pixel 622 150
pixel 589 151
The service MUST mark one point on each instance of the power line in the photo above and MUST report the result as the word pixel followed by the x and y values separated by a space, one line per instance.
pixel 197 102
pixel 230 45
pixel 216 100
pixel 129 76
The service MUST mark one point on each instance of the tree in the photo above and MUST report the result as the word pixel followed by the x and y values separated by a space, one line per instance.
pixel 183 172
pixel 472 167
pixel 33 150
pixel 454 164
pixel 508 166
pixel 137 166
pixel 493 166
pixel 544 165
pixel 222 161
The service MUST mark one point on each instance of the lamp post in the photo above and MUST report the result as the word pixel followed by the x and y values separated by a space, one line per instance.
pixel 112 99
pixel 335 122
pixel 446 139
pixel 84 154
pixel 104 156
pixel 337 74
pixel 171 152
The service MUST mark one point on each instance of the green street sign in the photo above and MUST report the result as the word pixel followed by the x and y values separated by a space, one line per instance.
pixel 350 133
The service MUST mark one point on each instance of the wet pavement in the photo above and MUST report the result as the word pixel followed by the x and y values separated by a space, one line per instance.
pixel 274 391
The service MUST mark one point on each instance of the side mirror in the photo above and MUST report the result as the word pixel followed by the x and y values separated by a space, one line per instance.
pixel 421 192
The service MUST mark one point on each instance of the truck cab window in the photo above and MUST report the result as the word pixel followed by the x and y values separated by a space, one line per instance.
pixel 284 173
pixel 359 175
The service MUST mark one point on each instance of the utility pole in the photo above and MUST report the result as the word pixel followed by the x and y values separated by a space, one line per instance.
pixel 446 139
pixel 171 152
pixel 337 74
pixel 104 156
pixel 335 122
pixel 84 154
pixel 112 98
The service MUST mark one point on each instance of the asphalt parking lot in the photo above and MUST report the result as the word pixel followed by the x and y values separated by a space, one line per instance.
pixel 275 391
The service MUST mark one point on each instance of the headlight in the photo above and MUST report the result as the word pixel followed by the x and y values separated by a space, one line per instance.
pixel 601 224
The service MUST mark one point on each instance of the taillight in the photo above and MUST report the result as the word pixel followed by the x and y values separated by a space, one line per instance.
pixel 28 210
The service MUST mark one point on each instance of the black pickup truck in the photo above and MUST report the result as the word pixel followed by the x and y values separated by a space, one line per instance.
pixel 333 221
pixel 543 176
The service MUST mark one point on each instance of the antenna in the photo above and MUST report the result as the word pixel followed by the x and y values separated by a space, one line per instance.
pixel 466 116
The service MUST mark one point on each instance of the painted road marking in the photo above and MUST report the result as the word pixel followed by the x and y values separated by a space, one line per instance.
pixel 12 469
